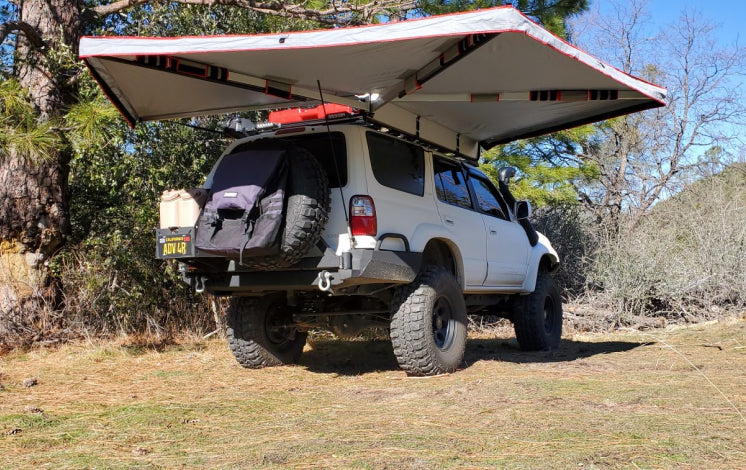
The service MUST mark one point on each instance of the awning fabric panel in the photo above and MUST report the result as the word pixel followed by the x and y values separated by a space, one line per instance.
pixel 488 76
pixel 151 94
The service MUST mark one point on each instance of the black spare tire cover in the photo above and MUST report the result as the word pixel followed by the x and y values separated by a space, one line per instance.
pixel 306 210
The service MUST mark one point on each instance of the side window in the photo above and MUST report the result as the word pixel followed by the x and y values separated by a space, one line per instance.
pixel 397 164
pixel 487 200
pixel 450 184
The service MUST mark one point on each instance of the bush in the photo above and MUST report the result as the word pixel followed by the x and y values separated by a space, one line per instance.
pixel 572 233
pixel 110 279
pixel 686 258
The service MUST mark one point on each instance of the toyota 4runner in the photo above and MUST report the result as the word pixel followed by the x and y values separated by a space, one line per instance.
pixel 320 219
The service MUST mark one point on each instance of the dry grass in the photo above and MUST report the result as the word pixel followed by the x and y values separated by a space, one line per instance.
pixel 620 401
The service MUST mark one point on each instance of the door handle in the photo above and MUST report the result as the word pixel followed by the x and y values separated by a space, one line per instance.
pixel 493 231
pixel 448 221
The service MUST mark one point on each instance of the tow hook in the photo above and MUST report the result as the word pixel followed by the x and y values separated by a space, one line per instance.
pixel 199 284
pixel 325 282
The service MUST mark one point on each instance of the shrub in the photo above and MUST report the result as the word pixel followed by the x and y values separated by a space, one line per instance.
pixel 686 257
pixel 572 233
pixel 110 278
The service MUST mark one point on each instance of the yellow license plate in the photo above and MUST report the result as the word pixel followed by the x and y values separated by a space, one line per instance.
pixel 175 246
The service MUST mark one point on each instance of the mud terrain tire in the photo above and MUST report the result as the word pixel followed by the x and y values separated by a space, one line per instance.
pixel 258 334
pixel 537 318
pixel 428 326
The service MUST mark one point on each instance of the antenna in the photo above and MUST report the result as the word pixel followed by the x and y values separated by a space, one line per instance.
pixel 336 168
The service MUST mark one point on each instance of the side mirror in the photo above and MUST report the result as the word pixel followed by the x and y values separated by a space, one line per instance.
pixel 505 173
pixel 522 210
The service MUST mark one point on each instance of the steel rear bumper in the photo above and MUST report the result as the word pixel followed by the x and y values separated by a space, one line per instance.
pixel 327 273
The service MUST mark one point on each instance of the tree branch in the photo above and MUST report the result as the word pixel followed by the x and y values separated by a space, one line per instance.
pixel 29 31
pixel 103 10
pixel 366 11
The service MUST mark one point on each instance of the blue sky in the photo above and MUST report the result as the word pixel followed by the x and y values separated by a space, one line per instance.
pixel 728 15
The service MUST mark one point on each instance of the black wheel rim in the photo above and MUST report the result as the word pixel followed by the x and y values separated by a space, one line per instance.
pixel 443 329
pixel 549 317
pixel 276 326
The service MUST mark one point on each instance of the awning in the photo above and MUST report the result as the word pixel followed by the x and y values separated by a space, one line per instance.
pixel 461 80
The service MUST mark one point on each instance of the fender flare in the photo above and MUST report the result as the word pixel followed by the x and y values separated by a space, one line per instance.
pixel 541 251
pixel 425 233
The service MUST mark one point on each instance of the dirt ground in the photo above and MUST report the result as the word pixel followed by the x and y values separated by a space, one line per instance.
pixel 666 398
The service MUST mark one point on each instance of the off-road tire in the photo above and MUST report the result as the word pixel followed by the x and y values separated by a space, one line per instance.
pixel 307 206
pixel 537 317
pixel 428 325
pixel 256 335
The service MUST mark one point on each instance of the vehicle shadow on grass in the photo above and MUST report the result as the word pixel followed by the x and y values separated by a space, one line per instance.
pixel 361 357
pixel 507 350
pixel 349 357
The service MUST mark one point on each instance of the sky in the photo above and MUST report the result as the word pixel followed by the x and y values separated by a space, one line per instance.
pixel 728 15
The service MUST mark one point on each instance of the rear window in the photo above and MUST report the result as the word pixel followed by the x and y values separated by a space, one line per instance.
pixel 330 149
pixel 327 148
pixel 397 164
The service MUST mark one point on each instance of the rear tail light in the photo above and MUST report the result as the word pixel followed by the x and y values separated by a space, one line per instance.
pixel 363 216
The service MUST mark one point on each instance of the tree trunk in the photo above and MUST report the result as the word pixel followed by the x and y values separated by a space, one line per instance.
pixel 33 193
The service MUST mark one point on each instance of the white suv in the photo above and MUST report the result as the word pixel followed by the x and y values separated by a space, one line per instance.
pixel 372 228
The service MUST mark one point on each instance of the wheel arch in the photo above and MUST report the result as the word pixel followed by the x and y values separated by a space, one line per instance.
pixel 542 256
pixel 443 252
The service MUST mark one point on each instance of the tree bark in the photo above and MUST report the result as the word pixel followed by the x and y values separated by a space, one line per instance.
pixel 33 193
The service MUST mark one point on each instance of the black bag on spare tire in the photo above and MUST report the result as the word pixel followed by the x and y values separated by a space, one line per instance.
pixel 307 206
pixel 244 216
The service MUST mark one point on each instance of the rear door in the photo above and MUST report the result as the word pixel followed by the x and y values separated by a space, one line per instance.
pixel 507 243
pixel 458 215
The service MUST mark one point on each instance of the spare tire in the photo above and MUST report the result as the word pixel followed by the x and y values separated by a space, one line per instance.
pixel 307 205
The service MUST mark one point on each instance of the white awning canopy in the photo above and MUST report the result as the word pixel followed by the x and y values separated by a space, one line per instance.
pixel 461 80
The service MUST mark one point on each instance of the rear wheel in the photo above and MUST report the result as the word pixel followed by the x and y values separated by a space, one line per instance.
pixel 537 319
pixel 260 333
pixel 428 326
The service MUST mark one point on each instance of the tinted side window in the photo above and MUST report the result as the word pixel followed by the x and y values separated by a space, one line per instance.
pixel 487 200
pixel 397 164
pixel 450 184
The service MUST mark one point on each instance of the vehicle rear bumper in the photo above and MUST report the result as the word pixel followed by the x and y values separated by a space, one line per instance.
pixel 329 273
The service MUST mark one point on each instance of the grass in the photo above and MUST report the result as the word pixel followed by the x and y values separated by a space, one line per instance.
pixel 628 400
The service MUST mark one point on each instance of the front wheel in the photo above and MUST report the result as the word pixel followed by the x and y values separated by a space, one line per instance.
pixel 428 326
pixel 537 318
pixel 260 333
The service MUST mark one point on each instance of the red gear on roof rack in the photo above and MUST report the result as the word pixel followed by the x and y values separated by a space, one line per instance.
pixel 328 111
